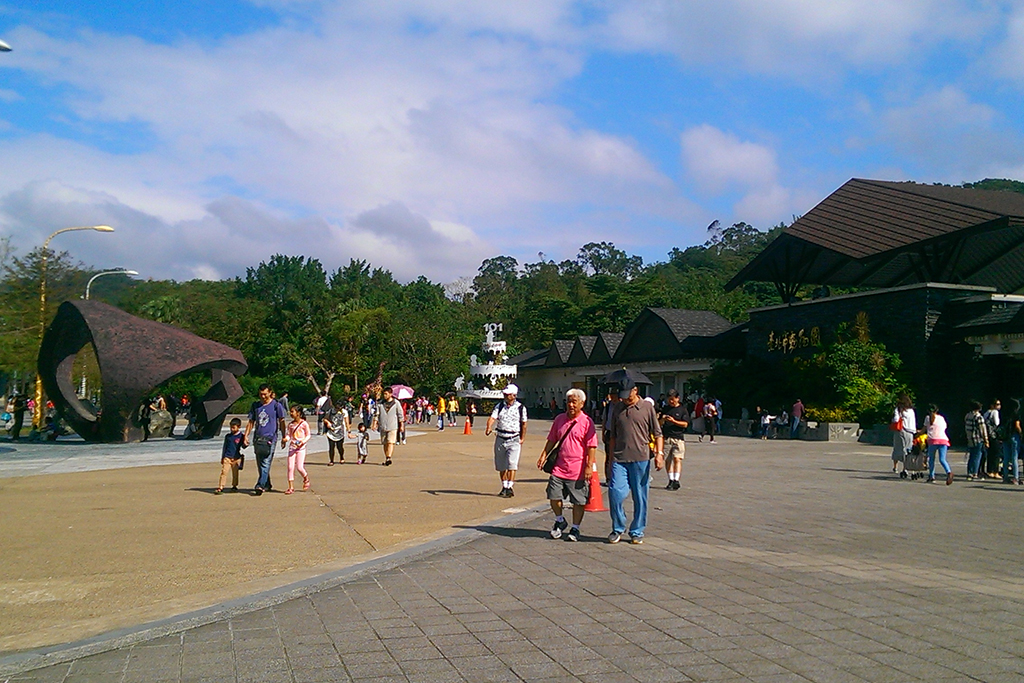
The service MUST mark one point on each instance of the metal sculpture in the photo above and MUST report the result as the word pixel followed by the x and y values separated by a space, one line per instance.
pixel 135 356
pixel 374 388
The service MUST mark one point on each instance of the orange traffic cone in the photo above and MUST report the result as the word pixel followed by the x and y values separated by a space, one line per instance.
pixel 468 429
pixel 595 503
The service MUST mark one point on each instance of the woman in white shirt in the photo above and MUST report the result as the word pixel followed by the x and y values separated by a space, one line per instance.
pixel 904 424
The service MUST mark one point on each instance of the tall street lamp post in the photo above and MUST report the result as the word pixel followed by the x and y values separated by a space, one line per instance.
pixel 88 286
pixel 37 413
pixel 106 272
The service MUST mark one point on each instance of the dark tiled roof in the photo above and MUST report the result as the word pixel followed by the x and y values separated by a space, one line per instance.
pixel 867 217
pixel 587 343
pixel 611 341
pixel 559 351
pixel 884 234
pixel 564 348
pixel 685 323
pixel 581 350
pixel 998 315
pixel 528 358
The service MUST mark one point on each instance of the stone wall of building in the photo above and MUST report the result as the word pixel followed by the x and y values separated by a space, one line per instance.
pixel 917 322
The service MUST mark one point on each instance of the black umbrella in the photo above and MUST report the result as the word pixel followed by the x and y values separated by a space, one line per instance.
pixel 625 375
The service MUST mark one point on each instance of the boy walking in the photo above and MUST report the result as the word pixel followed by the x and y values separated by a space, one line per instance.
pixel 231 458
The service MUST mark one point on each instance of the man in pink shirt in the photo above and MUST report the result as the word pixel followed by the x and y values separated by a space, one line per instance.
pixel 795 415
pixel 576 459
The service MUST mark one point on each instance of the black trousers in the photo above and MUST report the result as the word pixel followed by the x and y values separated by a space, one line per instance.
pixel 338 446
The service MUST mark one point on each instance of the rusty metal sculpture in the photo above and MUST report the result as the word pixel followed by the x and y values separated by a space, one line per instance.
pixel 135 356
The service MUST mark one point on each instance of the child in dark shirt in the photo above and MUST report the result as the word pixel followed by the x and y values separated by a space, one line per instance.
pixel 231 458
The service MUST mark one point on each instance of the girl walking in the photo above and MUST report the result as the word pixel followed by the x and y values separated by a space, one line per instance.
pixel 938 443
pixel 298 436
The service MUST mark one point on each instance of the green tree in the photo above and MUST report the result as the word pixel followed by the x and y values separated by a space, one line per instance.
pixel 602 258
pixel 164 309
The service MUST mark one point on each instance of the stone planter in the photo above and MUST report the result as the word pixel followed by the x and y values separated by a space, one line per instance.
pixel 879 435
pixel 735 427
pixel 831 431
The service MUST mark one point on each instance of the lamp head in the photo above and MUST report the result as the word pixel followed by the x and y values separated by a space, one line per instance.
pixel 4 47
pixel 131 272
pixel 102 228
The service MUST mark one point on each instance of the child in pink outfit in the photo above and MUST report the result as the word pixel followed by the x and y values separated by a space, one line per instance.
pixel 298 436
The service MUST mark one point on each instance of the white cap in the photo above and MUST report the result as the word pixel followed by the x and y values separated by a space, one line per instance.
pixel 510 389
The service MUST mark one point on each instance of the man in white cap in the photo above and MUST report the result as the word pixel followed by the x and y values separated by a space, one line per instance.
pixel 508 422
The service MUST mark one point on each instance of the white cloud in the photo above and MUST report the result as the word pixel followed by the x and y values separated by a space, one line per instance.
pixel 797 37
pixel 717 160
pixel 720 162
pixel 449 122
pixel 1007 57
pixel 953 137
pixel 233 234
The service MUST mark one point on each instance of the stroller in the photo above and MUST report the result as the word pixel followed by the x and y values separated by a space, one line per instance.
pixel 916 462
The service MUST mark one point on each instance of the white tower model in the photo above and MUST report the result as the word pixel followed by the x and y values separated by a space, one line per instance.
pixel 492 376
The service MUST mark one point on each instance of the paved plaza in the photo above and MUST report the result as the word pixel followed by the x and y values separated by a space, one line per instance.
pixel 72 454
pixel 776 561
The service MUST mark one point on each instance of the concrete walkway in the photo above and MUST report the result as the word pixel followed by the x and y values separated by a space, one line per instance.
pixel 776 561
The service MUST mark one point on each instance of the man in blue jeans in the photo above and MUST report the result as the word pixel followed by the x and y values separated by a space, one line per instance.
pixel 795 416
pixel 266 419
pixel 633 424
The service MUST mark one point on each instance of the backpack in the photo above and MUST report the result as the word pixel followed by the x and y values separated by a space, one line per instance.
pixel 503 405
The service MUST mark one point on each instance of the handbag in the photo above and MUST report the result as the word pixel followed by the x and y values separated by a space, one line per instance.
pixel 549 463
pixel 261 446
pixel 897 426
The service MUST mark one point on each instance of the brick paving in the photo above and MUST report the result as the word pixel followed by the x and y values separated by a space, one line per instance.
pixel 775 562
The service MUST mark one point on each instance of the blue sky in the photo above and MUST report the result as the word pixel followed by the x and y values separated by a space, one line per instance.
pixel 426 135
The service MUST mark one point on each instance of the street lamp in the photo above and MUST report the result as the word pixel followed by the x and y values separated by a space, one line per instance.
pixel 106 272
pixel 37 413
pixel 88 285
pixel 4 47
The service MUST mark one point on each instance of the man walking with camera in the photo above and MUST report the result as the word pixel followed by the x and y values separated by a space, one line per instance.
pixel 266 419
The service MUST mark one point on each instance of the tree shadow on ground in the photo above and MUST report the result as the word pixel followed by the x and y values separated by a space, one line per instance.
pixel 212 490
pixel 454 492
pixel 525 532
pixel 506 531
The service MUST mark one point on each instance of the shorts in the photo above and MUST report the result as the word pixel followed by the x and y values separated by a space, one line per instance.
pixel 576 491
pixel 389 436
pixel 506 453
pixel 674 448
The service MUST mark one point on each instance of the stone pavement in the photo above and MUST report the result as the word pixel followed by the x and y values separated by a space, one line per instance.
pixel 776 561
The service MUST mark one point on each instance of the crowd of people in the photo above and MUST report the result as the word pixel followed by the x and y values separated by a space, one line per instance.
pixel 993 441
pixel 12 418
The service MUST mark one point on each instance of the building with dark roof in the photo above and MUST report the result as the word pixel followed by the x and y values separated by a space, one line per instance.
pixel 605 347
pixel 873 233
pixel 939 268
pixel 671 346
pixel 935 271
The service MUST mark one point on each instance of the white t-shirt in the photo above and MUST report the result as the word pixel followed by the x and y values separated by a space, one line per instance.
pixel 507 418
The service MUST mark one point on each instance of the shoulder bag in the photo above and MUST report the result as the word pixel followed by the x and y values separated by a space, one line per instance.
pixel 549 463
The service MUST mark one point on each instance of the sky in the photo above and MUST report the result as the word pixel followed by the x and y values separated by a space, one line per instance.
pixel 427 135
